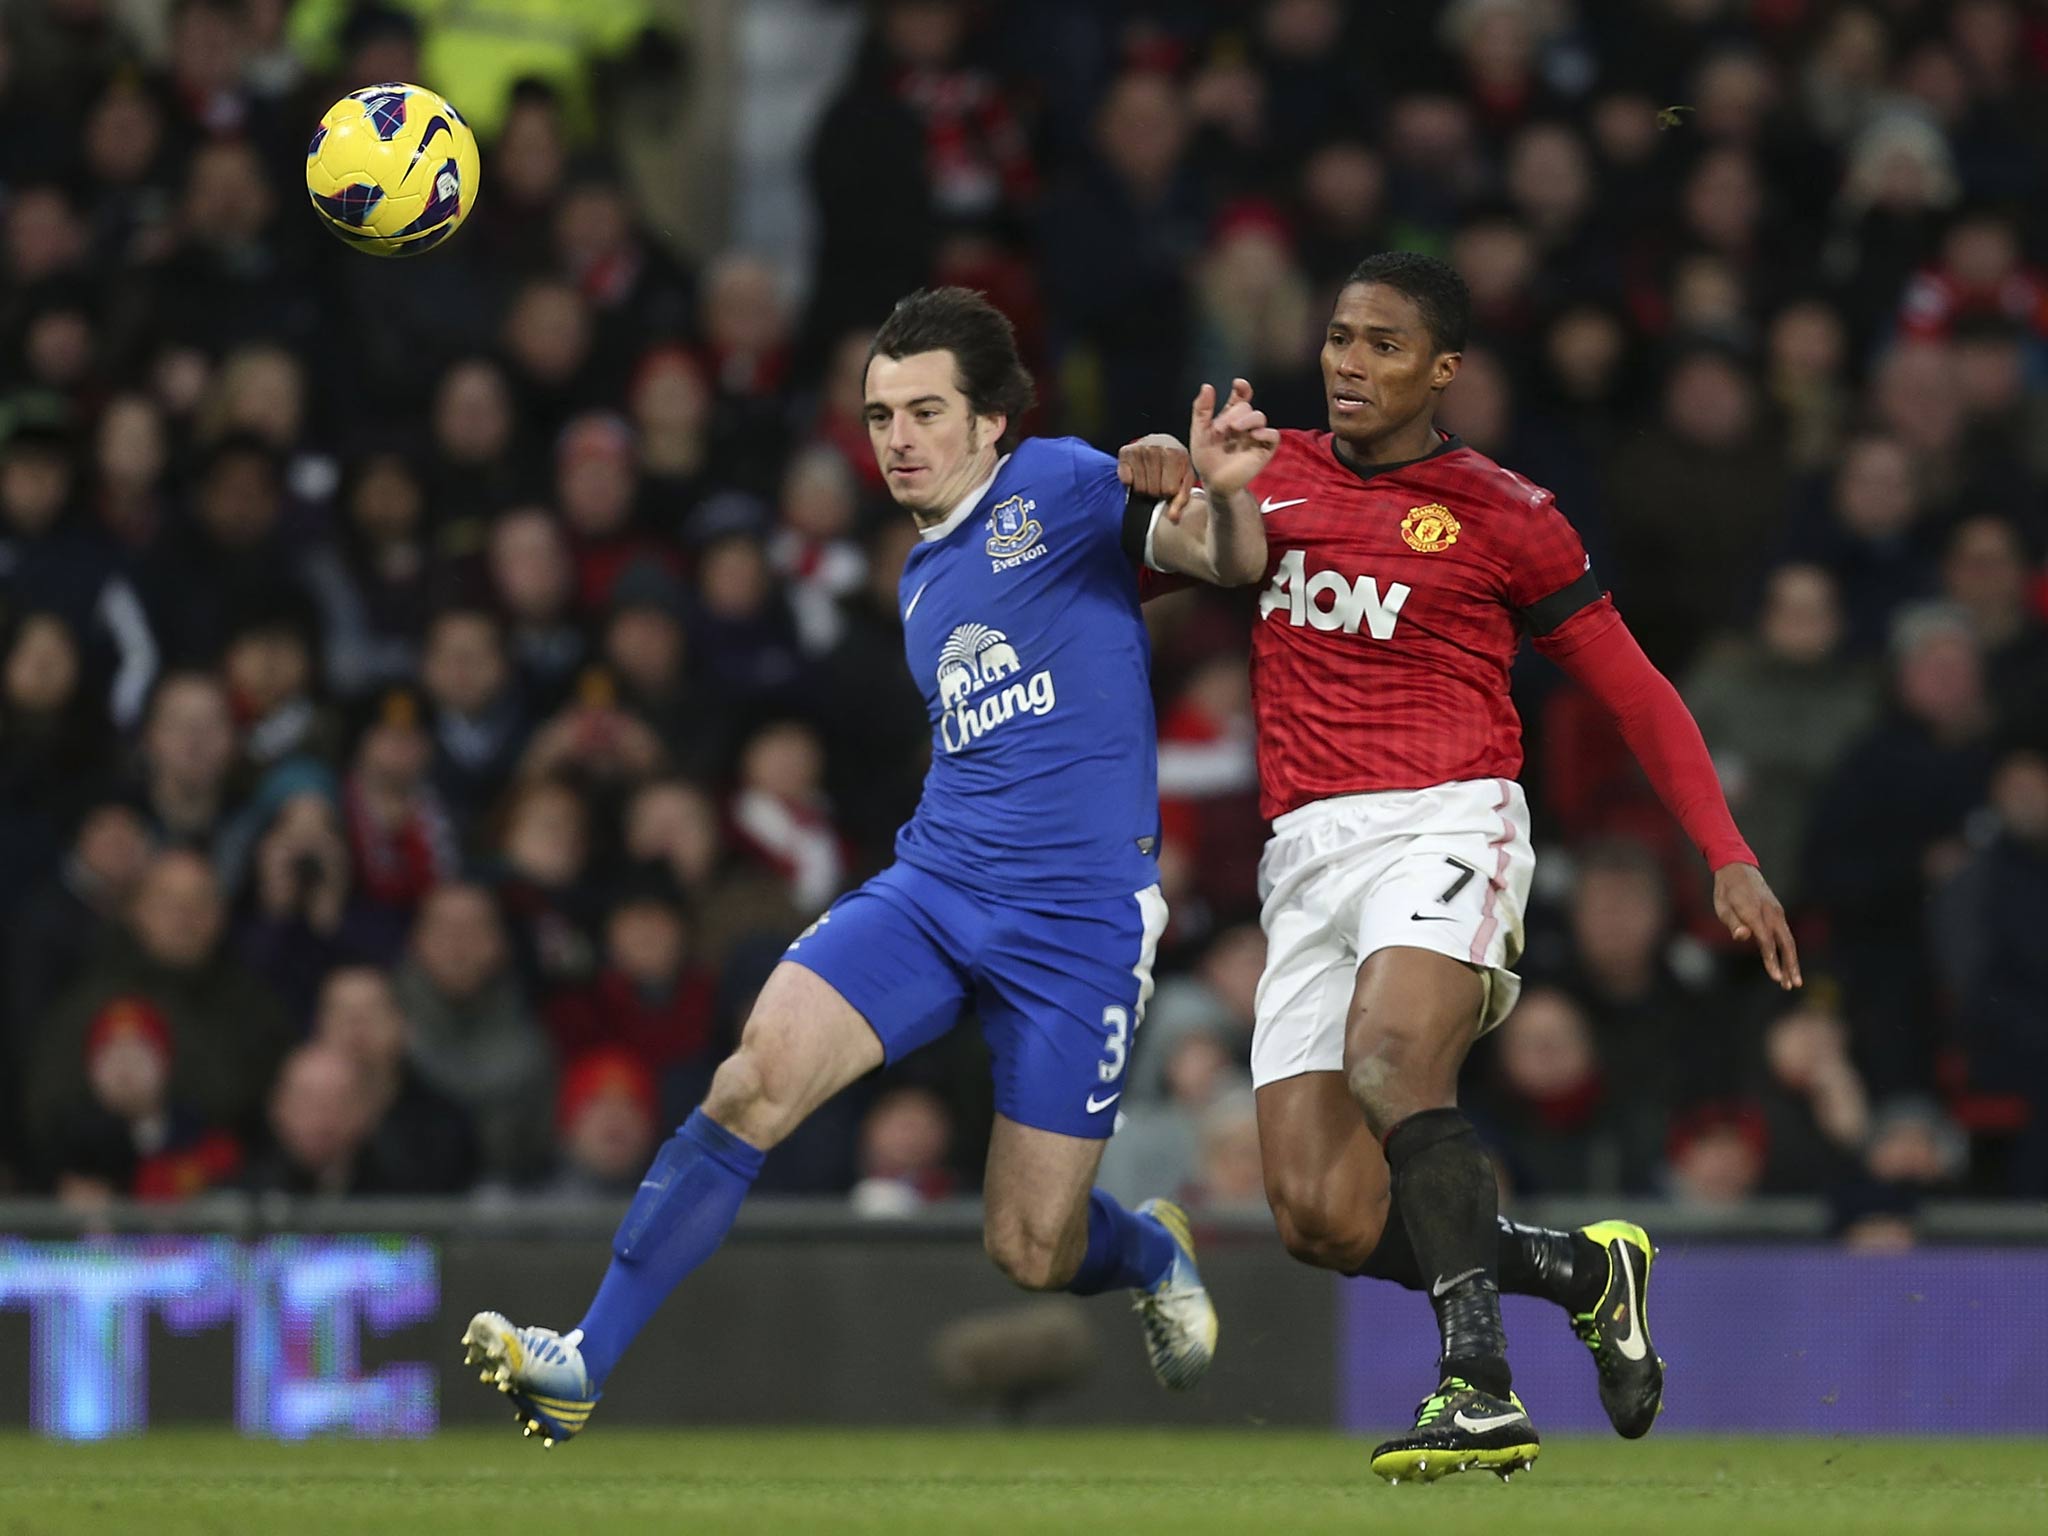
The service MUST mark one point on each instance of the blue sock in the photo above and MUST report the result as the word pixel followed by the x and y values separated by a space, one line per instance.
pixel 684 1209
pixel 1126 1251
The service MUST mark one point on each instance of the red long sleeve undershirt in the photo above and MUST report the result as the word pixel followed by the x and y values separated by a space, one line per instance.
pixel 1595 647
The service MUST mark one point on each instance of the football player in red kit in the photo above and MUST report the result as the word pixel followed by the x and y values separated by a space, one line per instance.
pixel 1403 569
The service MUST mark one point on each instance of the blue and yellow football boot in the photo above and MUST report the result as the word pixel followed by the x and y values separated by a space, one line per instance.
pixel 1617 1331
pixel 539 1369
pixel 1180 1320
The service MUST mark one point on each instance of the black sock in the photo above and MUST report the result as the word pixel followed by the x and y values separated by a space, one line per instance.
pixel 1566 1268
pixel 1587 1281
pixel 1445 1191
pixel 1394 1258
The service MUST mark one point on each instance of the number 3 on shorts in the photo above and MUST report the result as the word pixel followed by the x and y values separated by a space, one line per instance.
pixel 1117 1022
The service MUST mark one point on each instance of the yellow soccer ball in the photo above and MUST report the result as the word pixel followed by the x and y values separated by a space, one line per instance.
pixel 392 169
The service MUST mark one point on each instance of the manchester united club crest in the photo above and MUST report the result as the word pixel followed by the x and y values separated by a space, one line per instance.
pixel 1429 529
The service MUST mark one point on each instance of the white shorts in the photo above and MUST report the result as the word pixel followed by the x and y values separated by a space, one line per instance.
pixel 1445 868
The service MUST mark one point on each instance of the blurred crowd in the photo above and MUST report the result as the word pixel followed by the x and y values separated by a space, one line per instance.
pixel 432 693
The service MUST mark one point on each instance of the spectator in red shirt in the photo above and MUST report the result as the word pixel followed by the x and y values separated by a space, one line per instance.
pixel 649 997
pixel 225 1032
pixel 135 1140
pixel 1980 272
pixel 1211 832
pixel 597 485
pixel 401 837
pixel 1560 1120
pixel 919 101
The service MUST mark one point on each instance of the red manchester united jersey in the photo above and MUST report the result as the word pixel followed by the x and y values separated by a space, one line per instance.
pixel 1394 603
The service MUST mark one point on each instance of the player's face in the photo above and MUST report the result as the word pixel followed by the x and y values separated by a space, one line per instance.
pixel 931 446
pixel 1381 372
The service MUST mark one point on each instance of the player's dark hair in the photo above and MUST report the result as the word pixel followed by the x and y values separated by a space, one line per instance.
pixel 984 346
pixel 1435 286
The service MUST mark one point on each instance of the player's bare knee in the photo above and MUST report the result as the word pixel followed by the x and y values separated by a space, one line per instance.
pixel 735 1088
pixel 744 1099
pixel 1373 1073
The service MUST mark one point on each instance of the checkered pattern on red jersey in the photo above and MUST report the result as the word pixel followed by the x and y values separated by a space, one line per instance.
pixel 1382 642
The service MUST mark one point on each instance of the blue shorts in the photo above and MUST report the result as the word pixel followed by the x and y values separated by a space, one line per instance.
pixel 1060 990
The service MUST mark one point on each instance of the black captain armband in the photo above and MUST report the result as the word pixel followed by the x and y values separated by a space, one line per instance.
pixel 1546 614
pixel 1138 510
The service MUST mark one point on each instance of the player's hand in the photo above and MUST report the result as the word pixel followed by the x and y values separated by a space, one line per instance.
pixel 1158 466
pixel 1743 900
pixel 1231 445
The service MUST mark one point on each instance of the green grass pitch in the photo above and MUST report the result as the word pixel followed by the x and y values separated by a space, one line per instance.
pixel 907 1483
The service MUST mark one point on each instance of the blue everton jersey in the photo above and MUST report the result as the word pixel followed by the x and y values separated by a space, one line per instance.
pixel 1021 624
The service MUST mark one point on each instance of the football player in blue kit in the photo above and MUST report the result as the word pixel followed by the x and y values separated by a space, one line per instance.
pixel 1025 886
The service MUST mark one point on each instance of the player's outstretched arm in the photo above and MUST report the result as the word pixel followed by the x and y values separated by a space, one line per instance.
pixel 1595 647
pixel 1743 900
pixel 1211 530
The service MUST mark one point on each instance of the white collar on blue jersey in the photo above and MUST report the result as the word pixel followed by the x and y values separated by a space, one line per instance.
pixel 962 508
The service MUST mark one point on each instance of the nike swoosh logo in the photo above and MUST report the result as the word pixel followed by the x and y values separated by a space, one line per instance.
pixel 1269 505
pixel 1442 1285
pixel 1631 1343
pixel 1097 1106
pixel 1431 917
pixel 1480 1426
pixel 438 125
pixel 913 603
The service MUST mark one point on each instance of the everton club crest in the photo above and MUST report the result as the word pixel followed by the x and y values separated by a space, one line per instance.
pixel 1014 535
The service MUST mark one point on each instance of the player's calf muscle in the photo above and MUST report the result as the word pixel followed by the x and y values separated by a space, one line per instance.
pixel 1035 1204
pixel 1328 1212
pixel 1035 1237
pixel 1325 1179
